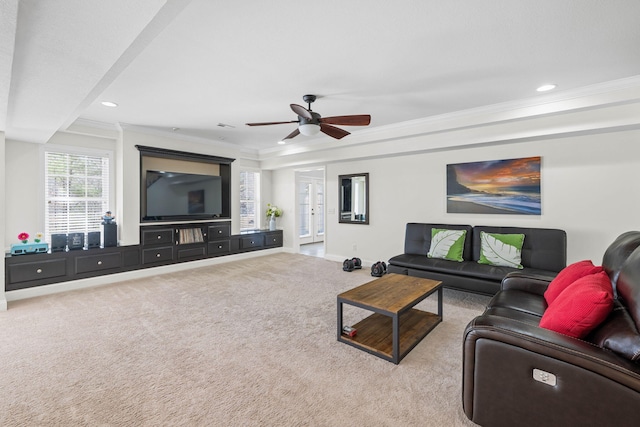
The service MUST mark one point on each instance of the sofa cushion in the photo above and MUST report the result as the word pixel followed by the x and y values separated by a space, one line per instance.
pixel 618 333
pixel 567 276
pixel 581 307
pixel 544 248
pixel 463 269
pixel 417 239
pixel 447 244
pixel 501 249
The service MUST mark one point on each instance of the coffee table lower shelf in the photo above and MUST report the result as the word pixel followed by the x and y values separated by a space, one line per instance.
pixel 375 333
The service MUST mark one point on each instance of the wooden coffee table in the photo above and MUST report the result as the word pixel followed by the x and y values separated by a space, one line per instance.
pixel 395 327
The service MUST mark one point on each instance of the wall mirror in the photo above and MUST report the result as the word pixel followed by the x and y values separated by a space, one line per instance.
pixel 354 198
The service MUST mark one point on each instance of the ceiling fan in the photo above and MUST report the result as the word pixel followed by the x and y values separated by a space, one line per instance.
pixel 310 122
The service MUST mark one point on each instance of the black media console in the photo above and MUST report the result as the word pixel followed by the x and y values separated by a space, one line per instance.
pixel 159 245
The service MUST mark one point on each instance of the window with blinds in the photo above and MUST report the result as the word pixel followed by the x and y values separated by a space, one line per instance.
pixel 76 192
pixel 249 200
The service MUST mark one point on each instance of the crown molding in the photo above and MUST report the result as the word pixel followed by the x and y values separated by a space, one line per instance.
pixel 598 96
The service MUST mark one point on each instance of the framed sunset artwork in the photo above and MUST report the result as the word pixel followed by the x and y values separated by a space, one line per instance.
pixel 510 186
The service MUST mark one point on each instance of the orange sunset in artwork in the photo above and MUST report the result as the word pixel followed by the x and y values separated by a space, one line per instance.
pixel 509 186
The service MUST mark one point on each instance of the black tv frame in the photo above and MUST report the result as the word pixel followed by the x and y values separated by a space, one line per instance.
pixel 225 174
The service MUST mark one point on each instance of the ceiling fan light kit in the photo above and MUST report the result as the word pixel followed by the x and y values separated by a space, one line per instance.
pixel 309 129
pixel 311 123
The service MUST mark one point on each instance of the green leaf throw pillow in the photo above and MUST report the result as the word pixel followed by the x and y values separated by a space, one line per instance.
pixel 504 250
pixel 447 244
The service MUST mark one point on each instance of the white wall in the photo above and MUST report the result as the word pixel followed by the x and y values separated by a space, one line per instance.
pixel 589 189
pixel 24 169
pixel 3 299
pixel 283 195
pixel 23 188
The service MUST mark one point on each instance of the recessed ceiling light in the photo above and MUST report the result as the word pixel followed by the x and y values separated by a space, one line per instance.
pixel 545 88
pixel 281 142
pixel 109 104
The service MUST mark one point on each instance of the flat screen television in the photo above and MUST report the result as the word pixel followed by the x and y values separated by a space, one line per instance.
pixel 178 195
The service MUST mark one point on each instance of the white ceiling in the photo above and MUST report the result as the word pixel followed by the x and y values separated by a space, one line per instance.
pixel 195 64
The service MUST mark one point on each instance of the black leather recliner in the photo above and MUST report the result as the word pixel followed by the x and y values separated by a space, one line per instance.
pixel 517 373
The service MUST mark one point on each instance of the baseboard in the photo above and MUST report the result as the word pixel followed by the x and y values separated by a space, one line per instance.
pixel 129 275
pixel 341 258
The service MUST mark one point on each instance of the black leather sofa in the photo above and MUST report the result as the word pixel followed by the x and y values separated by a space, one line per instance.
pixel 544 253
pixel 517 373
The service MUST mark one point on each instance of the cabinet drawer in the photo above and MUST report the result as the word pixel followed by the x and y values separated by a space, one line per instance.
pixel 219 247
pixel 161 236
pixel 192 252
pixel 85 264
pixel 157 254
pixel 273 239
pixel 219 231
pixel 37 270
pixel 252 242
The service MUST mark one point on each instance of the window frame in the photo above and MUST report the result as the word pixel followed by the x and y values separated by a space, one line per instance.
pixel 257 199
pixel 81 151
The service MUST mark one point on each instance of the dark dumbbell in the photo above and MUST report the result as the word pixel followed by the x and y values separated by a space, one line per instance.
pixel 348 265
pixel 357 263
pixel 378 269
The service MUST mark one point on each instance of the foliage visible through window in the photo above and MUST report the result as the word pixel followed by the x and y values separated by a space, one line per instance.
pixel 76 192
pixel 249 200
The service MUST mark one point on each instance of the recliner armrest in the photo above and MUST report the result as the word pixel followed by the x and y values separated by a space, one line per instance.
pixel 516 373
pixel 552 344
pixel 533 283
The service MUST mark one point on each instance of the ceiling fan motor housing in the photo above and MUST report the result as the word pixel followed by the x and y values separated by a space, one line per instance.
pixel 314 121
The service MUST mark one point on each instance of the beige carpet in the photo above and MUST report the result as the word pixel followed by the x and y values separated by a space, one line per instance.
pixel 246 343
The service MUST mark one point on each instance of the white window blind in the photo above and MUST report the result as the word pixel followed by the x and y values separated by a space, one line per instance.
pixel 249 200
pixel 76 192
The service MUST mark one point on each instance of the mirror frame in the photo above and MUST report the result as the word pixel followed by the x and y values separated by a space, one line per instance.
pixel 366 195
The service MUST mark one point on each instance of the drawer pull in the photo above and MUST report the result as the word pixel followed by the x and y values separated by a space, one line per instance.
pixel 219 231
pixel 99 262
pixel 219 246
pixel 39 271
pixel 159 237
pixel 252 242
pixel 157 255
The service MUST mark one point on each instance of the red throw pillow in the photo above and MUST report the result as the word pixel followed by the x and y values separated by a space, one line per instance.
pixel 581 307
pixel 567 276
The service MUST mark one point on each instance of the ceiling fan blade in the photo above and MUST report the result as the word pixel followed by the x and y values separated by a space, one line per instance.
pixel 301 111
pixel 270 123
pixel 353 120
pixel 292 134
pixel 333 131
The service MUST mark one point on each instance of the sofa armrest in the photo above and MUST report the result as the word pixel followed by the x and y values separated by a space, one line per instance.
pixel 544 342
pixel 532 283
pixel 518 373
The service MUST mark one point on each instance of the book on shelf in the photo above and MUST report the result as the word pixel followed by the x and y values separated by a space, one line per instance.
pixel 190 235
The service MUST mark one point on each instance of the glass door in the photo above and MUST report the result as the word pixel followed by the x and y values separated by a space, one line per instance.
pixel 311 210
